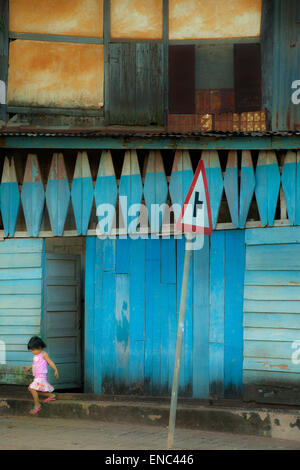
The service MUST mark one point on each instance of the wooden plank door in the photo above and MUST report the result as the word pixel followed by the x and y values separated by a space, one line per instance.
pixel 61 318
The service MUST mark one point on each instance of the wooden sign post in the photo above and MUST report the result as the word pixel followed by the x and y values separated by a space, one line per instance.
pixel 194 220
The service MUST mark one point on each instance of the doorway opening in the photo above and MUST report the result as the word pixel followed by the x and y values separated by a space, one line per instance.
pixel 63 310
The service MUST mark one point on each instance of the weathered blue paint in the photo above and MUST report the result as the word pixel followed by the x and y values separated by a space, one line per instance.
pixel 82 193
pixel 106 190
pixel 247 186
pixel 181 179
pixel 267 186
pixel 201 313
pixel 133 311
pixel 233 330
pixel 33 196
pixel 214 181
pixel 9 197
pixel 155 189
pixel 291 186
pixel 20 304
pixel 130 191
pixel 231 187
pixel 217 313
pixel 57 194
pixel 271 314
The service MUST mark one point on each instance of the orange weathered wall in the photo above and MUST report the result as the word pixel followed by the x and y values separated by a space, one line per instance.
pixel 55 74
pixel 137 19
pixel 68 17
pixel 197 19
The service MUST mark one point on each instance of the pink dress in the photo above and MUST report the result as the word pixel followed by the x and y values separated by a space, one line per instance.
pixel 40 370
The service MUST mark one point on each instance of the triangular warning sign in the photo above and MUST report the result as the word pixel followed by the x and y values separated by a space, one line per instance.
pixel 195 215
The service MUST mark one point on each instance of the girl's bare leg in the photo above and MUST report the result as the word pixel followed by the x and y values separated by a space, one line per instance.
pixel 35 397
pixel 47 394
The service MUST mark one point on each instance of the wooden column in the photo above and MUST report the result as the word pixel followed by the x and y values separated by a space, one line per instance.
pixel 3 55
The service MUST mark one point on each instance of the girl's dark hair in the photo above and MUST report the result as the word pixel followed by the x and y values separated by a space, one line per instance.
pixel 36 343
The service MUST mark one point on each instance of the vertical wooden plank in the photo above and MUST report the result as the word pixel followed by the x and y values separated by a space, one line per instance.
pixel 267 186
pixel 82 193
pixel 122 336
pixel 182 79
pixel 143 87
pixel 4 43
pixel 152 344
pixel 99 299
pixel 291 185
pixel 213 171
pixel 201 321
pixel 137 315
pixel 155 189
pixel 172 330
pixel 127 79
pixel 130 190
pixel 106 190
pixel 109 255
pixel 168 261
pixel 156 313
pixel 108 359
pixel 181 179
pixel 185 377
pixel 231 187
pixel 115 52
pixel 9 197
pixel 57 194
pixel 234 293
pixel 122 255
pixel 33 196
pixel 156 85
pixel 89 318
pixel 216 314
pixel 247 187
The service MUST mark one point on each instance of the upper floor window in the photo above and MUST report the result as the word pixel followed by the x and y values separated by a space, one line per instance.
pixel 200 19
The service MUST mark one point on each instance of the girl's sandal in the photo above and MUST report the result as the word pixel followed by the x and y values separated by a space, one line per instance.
pixel 49 399
pixel 35 411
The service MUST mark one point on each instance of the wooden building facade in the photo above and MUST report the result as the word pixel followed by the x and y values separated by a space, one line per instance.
pixel 113 100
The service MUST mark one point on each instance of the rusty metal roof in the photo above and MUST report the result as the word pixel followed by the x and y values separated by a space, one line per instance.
pixel 114 131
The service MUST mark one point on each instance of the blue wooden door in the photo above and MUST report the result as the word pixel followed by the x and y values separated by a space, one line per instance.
pixel 132 303
pixel 61 318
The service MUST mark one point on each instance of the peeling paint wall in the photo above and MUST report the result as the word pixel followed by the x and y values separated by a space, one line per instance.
pixel 56 74
pixel 68 17
pixel 197 19
pixel 137 19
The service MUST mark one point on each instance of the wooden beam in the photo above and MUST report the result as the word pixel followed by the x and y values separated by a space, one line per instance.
pixel 60 111
pixel 3 55
pixel 167 230
pixel 55 38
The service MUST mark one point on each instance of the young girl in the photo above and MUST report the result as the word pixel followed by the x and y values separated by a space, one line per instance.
pixel 40 369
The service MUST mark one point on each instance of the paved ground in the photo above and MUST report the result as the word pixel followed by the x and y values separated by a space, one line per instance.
pixel 48 433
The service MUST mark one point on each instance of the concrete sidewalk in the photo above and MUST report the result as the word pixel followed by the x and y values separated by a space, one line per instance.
pixel 32 433
pixel 239 418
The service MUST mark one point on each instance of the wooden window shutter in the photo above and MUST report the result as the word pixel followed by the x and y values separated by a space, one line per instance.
pixel 182 79
pixel 247 77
